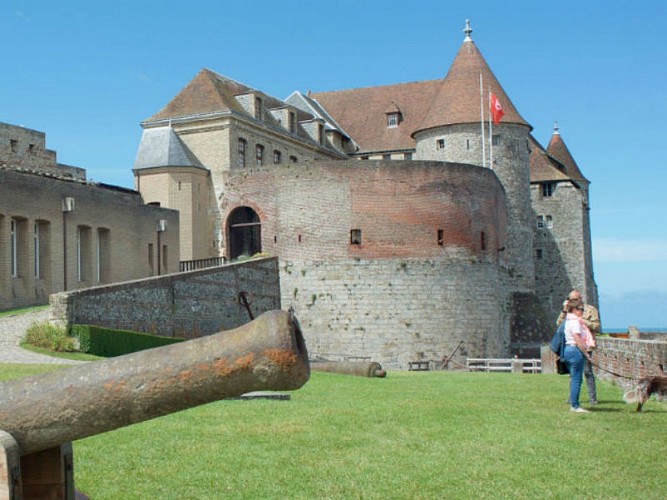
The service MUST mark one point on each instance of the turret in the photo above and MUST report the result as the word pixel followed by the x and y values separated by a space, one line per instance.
pixel 452 131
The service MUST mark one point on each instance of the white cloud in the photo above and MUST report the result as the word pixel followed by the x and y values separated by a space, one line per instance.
pixel 629 250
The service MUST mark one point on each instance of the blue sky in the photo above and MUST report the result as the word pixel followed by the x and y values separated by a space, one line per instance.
pixel 86 73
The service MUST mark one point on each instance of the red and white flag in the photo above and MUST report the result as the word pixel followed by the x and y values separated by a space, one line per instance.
pixel 496 109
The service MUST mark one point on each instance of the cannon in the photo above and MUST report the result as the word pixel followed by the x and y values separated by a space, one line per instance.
pixel 358 368
pixel 44 413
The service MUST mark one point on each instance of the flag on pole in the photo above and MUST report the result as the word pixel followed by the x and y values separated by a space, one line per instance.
pixel 496 109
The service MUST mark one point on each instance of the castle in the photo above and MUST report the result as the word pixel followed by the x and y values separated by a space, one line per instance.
pixel 402 233
pixel 406 228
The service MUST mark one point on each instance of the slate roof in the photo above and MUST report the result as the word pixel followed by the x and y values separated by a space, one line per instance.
pixel 161 147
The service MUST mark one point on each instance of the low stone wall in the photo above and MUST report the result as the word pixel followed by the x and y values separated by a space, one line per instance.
pixel 187 305
pixel 629 359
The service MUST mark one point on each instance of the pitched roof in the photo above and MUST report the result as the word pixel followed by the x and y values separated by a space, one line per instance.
pixel 458 98
pixel 362 112
pixel 544 168
pixel 560 152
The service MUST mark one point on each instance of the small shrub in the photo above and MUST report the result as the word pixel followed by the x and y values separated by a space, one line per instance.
pixel 48 336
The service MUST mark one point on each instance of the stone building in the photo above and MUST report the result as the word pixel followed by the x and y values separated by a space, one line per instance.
pixel 404 232
pixel 59 231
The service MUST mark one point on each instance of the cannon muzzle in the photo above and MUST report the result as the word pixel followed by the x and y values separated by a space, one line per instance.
pixel 44 411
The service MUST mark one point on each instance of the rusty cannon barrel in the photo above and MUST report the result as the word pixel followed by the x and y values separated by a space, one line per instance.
pixel 358 368
pixel 43 411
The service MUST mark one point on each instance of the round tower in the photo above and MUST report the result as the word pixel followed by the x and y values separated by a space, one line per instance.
pixel 458 128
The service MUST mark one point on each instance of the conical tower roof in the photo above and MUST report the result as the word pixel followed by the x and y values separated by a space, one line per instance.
pixel 558 150
pixel 458 99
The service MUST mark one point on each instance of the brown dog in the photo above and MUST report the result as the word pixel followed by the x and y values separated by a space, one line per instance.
pixel 645 388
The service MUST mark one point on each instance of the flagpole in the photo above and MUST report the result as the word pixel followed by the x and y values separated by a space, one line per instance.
pixel 490 134
pixel 481 118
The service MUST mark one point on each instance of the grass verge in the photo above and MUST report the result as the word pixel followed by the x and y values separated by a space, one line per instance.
pixel 411 435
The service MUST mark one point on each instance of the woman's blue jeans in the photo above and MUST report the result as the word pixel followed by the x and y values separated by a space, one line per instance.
pixel 575 362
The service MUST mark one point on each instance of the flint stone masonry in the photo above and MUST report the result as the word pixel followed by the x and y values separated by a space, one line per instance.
pixel 186 305
pixel 396 311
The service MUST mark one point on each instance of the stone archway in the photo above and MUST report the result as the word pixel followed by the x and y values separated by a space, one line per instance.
pixel 244 230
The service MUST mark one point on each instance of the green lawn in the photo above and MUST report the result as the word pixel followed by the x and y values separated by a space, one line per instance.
pixel 412 435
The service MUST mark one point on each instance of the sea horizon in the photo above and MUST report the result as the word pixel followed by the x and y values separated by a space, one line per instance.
pixel 652 329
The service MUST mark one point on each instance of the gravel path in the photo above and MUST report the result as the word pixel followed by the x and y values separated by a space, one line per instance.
pixel 12 329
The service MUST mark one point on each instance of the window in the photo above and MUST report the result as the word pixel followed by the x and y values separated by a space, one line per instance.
pixel 258 108
pixel 355 237
pixel 548 221
pixel 320 133
pixel 292 122
pixel 13 248
pixel 540 221
pixel 386 157
pixel 241 153
pixel 392 120
pixel 150 258
pixel 482 240
pixel 496 140
pixel 468 144
pixel 548 189
pixel 83 256
pixel 293 159
pixel 407 156
pixel 259 154
pixel 103 251
pixel 538 253
pixel 440 144
pixel 37 249
pixel 277 156
pixel 14 145
pixel 441 237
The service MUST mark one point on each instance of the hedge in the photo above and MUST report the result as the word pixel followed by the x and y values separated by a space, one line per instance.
pixel 109 343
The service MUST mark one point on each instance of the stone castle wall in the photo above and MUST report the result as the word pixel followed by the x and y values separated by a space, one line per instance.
pixel 186 305
pixel 394 311
pixel 25 149
pixel 560 250
pixel 462 144
pixel 419 280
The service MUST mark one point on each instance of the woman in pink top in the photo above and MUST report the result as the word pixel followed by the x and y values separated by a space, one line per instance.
pixel 576 350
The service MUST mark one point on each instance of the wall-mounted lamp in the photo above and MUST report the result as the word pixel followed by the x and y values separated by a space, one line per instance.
pixel 161 228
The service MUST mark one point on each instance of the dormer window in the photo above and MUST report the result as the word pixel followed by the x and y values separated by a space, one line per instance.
pixel 292 121
pixel 258 108
pixel 394 116
pixel 440 144
pixel 392 120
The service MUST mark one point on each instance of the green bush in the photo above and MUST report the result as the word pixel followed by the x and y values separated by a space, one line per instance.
pixel 109 343
pixel 48 336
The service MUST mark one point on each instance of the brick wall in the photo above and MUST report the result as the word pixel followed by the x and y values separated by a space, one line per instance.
pixel 632 359
pixel 185 305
